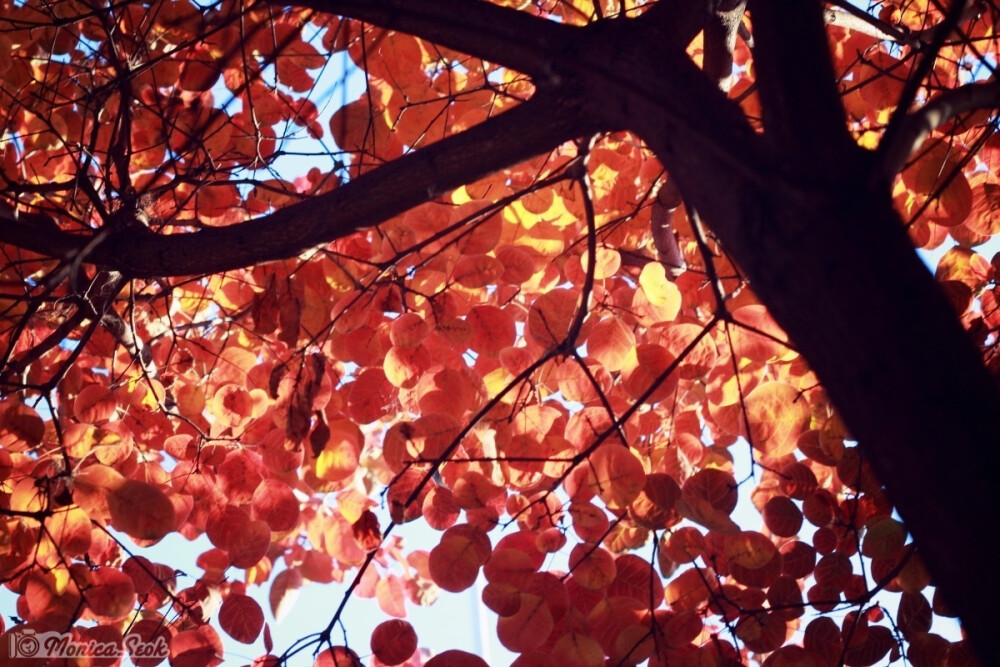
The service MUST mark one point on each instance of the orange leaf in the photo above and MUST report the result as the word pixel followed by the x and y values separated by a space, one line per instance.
pixel 880 88
pixel 233 406
pixel 550 316
pixel 408 330
pixel 239 476
pixel 748 343
pixel 592 567
pixel 275 503
pixel 111 595
pixel 642 372
pixel 69 529
pixel 95 404
pixel 607 264
pixel 579 649
pixel 477 271
pixel 249 543
pixel 782 516
pixel 937 174
pixel 357 127
pixel 510 566
pixel 200 71
pixel 635 579
pixel 965 266
pixel 339 458
pixel 338 656
pixel 404 365
pixel 518 263
pixel 687 591
pixel 616 475
pixel 610 342
pixel 704 513
pixel 778 415
pixel 750 550
pixel 141 510
pixel 20 427
pixel 658 290
pixel 366 531
pixel 884 538
pixel 493 330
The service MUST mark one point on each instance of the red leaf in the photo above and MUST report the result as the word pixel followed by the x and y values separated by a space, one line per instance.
pixel 141 510
pixel 200 647
pixel 456 658
pixel 241 617
pixel 338 656
pixel 393 642
pixel 454 563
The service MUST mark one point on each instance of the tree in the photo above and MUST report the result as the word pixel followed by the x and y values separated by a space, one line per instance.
pixel 492 305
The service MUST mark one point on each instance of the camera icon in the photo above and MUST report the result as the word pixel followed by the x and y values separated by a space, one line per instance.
pixel 24 644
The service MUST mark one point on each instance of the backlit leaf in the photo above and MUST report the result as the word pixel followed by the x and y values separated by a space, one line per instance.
pixel 592 566
pixel 393 642
pixel 616 475
pixel 550 317
pixel 778 415
pixel 389 593
pixel 455 562
pixel 455 658
pixel 242 618
pixel 200 647
pixel 141 510
pixel 610 342
pixel 284 591
pixel 658 290
pixel 528 627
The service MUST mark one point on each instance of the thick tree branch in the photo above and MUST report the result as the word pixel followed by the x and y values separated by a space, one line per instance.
pixel 532 128
pixel 919 124
pixel 500 35
pixel 632 77
pixel 916 77
pixel 721 28
pixel 852 18
pixel 34 230
pixel 677 21
pixel 803 116
pixel 857 20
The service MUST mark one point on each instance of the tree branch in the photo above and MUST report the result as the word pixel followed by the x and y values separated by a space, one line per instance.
pixel 500 35
pixel 917 75
pixel 677 21
pixel 721 28
pixel 918 125
pixel 532 128
pixel 611 72
pixel 854 19
pixel 803 116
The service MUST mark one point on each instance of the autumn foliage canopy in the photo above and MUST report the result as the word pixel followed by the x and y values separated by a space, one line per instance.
pixel 290 278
